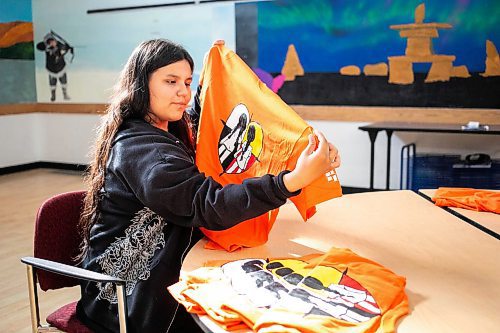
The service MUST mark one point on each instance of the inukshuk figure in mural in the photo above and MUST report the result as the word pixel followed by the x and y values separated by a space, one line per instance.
pixel 55 48
pixel 419 49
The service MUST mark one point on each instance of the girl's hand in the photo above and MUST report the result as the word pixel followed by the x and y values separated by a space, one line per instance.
pixel 312 163
pixel 334 156
pixel 215 43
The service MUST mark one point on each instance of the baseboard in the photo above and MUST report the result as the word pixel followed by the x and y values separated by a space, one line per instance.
pixel 43 164
pixel 350 190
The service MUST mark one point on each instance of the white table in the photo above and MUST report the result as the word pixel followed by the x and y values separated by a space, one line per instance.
pixel 452 268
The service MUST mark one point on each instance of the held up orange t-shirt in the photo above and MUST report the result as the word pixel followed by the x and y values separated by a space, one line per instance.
pixel 245 131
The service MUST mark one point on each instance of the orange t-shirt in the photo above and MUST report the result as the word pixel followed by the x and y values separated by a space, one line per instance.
pixel 468 198
pixel 245 131
pixel 335 292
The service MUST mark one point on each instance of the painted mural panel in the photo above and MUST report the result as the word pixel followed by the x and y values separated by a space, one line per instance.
pixel 95 39
pixel 385 52
pixel 17 79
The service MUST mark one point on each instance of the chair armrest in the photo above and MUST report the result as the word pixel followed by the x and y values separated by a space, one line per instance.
pixel 71 271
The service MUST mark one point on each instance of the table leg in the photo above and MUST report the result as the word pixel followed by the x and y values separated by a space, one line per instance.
pixel 372 133
pixel 388 172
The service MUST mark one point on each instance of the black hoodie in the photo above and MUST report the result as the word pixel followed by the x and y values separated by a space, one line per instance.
pixel 152 202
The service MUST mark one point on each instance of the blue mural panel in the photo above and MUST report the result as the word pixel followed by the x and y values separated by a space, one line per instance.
pixel 329 34
pixel 17 67
pixel 428 53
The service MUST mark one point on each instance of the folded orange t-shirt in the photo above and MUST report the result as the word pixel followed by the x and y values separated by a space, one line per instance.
pixel 468 198
pixel 338 291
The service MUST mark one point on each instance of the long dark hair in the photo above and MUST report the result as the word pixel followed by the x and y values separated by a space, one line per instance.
pixel 130 100
pixel 250 136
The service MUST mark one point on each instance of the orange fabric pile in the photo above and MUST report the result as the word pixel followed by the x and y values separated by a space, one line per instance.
pixel 245 131
pixel 468 198
pixel 334 292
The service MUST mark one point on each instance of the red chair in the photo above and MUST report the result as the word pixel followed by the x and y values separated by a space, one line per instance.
pixel 56 244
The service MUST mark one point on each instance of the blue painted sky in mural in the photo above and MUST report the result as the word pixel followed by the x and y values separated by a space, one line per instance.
pixel 15 10
pixel 330 34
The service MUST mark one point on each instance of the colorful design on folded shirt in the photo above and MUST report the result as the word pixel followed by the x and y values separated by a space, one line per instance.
pixel 322 291
pixel 337 291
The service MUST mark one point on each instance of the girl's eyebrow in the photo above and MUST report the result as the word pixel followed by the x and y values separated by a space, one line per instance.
pixel 177 76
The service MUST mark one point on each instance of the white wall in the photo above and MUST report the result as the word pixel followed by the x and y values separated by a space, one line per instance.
pixel 66 138
pixel 18 140
pixel 50 137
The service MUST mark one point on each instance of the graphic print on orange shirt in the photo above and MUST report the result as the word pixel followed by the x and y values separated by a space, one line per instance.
pixel 337 291
pixel 323 291
pixel 240 142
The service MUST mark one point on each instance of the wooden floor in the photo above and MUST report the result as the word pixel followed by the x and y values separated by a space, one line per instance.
pixel 20 196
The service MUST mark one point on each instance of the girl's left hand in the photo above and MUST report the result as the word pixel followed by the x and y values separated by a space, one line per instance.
pixel 334 156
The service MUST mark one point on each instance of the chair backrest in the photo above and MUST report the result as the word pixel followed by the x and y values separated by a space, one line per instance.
pixel 56 236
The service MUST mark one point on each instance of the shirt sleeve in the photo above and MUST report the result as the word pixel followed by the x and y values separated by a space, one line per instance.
pixel 41 46
pixel 176 190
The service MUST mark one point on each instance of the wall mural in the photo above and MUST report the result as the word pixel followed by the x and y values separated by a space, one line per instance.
pixel 319 52
pixel 380 53
pixel 83 46
pixel 16 40
pixel 16 52
pixel 56 48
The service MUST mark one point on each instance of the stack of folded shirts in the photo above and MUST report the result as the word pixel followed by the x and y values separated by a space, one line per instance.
pixel 338 291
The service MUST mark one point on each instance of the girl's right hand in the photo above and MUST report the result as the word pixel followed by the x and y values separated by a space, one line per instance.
pixel 312 163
